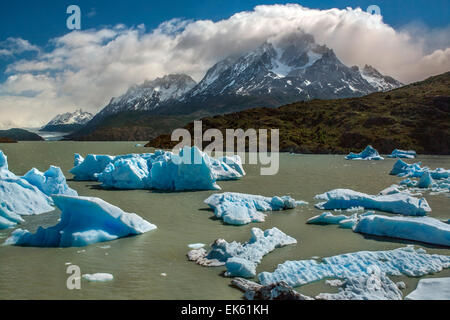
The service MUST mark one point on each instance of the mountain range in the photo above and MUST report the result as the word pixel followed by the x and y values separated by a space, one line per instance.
pixel 276 73
pixel 413 117
pixel 68 122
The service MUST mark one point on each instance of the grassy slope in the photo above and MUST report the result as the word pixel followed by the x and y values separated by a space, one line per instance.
pixel 416 116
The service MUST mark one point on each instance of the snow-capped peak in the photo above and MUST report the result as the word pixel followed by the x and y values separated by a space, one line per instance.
pixel 377 80
pixel 77 117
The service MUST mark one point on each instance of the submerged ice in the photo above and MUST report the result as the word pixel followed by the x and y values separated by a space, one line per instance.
pixel 84 220
pixel 240 259
pixel 190 169
pixel 400 203
pixel 239 209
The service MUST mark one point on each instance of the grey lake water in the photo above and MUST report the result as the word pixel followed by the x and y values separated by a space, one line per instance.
pixel 182 218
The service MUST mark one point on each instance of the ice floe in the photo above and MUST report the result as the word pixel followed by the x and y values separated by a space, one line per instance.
pixel 239 208
pixel 369 153
pixel 84 220
pixel 402 261
pixel 431 289
pixel 18 197
pixel 50 182
pixel 408 154
pixel 400 203
pixel 423 229
pixel 190 169
pixel 240 259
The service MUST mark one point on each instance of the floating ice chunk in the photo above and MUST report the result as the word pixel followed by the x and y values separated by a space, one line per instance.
pixel 241 259
pixel 191 169
pixel 239 208
pixel 335 283
pixel 402 261
pixel 366 287
pixel 98 277
pixel 423 229
pixel 345 222
pixel 50 182
pixel 84 221
pixel 402 169
pixel 425 181
pixel 130 173
pixel 431 289
pixel 400 203
pixel 408 154
pixel 18 197
pixel 369 153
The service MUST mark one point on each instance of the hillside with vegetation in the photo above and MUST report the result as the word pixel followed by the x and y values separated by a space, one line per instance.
pixel 416 116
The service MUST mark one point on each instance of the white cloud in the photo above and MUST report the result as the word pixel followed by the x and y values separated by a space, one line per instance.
pixel 13 46
pixel 86 68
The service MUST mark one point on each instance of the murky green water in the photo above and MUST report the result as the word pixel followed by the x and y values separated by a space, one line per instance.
pixel 182 218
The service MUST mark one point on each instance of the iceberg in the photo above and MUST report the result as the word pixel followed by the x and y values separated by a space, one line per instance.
pixel 431 289
pixel 369 153
pixel 423 229
pixel 49 182
pixel 408 154
pixel 400 203
pixel 240 259
pixel 414 170
pixel 375 286
pixel 239 209
pixel 84 221
pixel 78 159
pixel 190 169
pixel 18 197
pixel 402 261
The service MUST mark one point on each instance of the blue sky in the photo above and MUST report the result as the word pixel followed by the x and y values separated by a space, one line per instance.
pixel 39 21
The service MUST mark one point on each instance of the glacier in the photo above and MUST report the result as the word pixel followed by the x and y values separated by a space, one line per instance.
pixel 84 220
pixel 401 261
pixel 190 169
pixel 431 289
pixel 369 153
pixel 400 203
pixel 423 229
pixel 49 182
pixel 240 259
pixel 18 197
pixel 239 209
pixel 408 154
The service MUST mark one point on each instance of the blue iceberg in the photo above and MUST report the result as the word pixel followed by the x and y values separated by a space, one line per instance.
pixel 50 182
pixel 18 197
pixel 369 153
pixel 191 169
pixel 414 170
pixel 84 221
pixel 423 229
pixel 407 154
pixel 400 203
pixel 344 221
pixel 240 259
pixel 402 261
pixel 239 209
